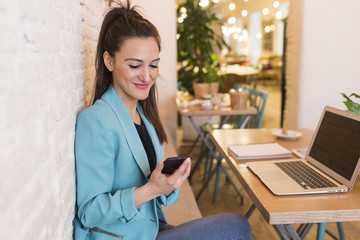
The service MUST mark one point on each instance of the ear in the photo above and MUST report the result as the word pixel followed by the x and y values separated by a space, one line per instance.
pixel 109 61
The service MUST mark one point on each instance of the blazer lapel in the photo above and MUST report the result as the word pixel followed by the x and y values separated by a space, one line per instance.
pixel 132 137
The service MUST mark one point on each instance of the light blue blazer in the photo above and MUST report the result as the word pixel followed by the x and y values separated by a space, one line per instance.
pixel 111 163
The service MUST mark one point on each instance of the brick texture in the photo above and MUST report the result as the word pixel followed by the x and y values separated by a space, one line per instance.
pixel 47 51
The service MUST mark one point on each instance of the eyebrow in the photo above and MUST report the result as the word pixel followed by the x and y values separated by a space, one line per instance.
pixel 138 60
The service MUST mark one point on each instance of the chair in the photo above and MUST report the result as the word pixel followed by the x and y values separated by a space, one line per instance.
pixel 270 69
pixel 257 100
pixel 322 230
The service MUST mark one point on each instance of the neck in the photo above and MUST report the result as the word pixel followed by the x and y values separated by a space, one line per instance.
pixel 135 116
pixel 130 105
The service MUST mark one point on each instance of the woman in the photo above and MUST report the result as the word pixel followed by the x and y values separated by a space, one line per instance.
pixel 119 144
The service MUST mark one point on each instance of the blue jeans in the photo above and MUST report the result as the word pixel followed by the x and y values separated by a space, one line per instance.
pixel 227 226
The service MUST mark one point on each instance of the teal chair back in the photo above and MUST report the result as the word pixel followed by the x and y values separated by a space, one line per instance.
pixel 257 100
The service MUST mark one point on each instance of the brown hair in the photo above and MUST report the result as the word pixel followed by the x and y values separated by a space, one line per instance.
pixel 119 24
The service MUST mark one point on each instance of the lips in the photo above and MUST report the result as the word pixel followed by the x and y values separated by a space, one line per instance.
pixel 141 86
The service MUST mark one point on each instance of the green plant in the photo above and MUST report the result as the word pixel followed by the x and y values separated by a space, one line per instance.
pixel 196 40
pixel 351 105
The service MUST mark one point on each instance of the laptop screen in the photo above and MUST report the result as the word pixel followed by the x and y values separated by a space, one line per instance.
pixel 337 144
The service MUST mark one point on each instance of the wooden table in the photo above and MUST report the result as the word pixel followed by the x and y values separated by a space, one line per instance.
pixel 223 111
pixel 239 74
pixel 239 70
pixel 283 211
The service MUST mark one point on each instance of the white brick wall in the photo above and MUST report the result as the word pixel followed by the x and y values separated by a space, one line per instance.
pixel 46 55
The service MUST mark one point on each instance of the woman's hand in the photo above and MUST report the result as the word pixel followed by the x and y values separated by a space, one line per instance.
pixel 166 184
pixel 162 184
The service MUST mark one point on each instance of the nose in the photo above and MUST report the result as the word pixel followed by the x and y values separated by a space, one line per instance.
pixel 145 75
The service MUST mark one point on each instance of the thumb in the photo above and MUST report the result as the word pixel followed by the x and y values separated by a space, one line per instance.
pixel 159 166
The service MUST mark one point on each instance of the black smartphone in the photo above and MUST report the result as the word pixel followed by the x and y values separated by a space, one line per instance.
pixel 173 163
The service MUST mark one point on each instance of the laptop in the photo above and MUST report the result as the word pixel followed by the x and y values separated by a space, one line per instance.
pixel 334 154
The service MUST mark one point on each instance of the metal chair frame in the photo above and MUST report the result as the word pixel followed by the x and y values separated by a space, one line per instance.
pixel 257 100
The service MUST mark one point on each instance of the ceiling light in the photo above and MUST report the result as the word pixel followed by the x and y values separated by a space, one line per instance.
pixel 226 31
pixel 233 29
pixel 258 35
pixel 232 20
pixel 215 1
pixel 278 15
pixel 232 6
pixel 244 13
pixel 267 29
pixel 183 10
pixel 203 3
pixel 276 4
pixel 265 11
pixel 180 20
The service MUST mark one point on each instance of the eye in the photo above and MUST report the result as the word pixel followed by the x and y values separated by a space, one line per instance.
pixel 154 66
pixel 133 66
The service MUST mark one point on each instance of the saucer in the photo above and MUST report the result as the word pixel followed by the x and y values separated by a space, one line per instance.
pixel 287 134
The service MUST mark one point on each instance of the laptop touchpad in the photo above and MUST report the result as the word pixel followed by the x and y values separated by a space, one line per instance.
pixel 274 176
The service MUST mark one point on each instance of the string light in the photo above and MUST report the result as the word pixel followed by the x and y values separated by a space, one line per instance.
pixel 267 29
pixel 244 13
pixel 276 4
pixel 266 11
pixel 232 20
pixel 232 6
pixel 237 32
pixel 183 10
pixel 204 3
pixel 278 15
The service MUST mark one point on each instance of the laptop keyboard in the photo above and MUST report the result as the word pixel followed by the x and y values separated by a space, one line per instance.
pixel 304 175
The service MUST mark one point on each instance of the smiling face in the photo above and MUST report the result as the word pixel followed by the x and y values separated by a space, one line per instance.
pixel 134 68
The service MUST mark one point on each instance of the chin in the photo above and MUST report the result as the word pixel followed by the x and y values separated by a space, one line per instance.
pixel 143 97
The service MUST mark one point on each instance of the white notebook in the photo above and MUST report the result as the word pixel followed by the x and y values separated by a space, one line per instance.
pixel 258 151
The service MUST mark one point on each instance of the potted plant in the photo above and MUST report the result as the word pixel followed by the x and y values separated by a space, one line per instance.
pixel 196 41
pixel 351 105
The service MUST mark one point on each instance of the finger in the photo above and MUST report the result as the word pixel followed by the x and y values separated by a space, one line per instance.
pixel 183 177
pixel 186 172
pixel 180 172
pixel 188 169
pixel 159 166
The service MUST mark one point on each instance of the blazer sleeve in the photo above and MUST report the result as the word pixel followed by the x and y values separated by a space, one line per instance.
pixel 95 154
